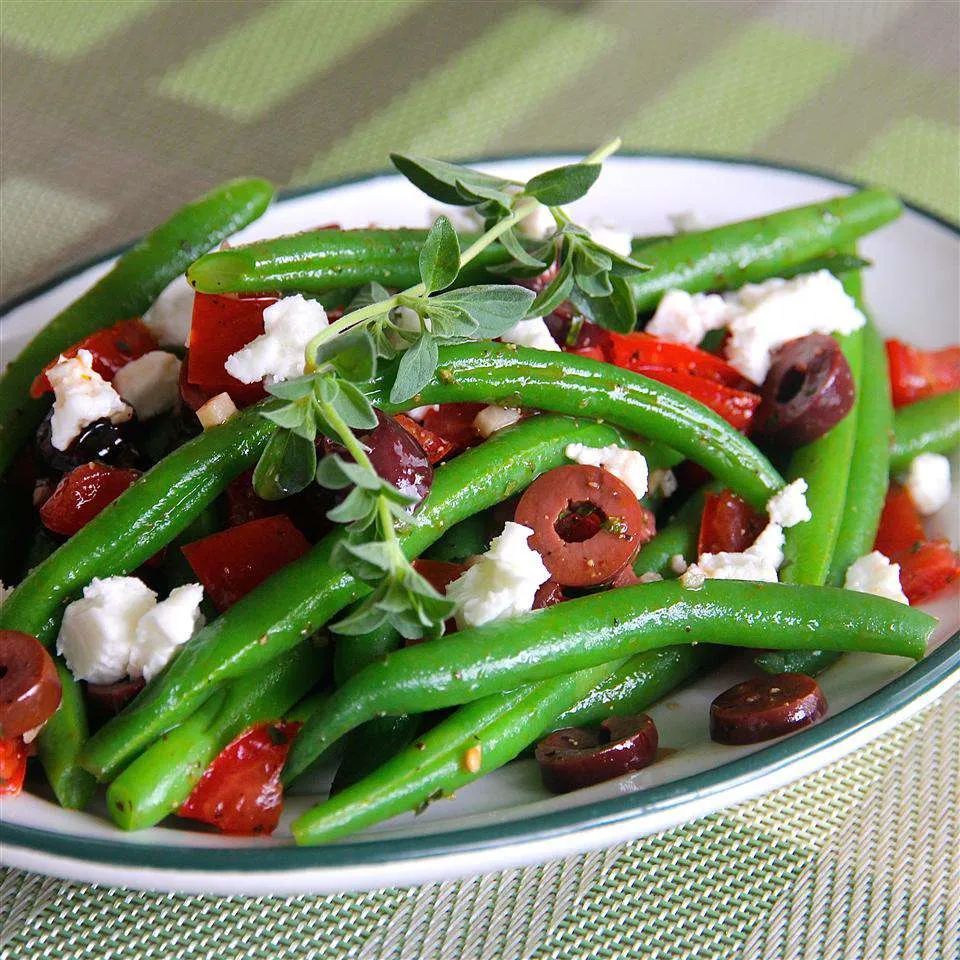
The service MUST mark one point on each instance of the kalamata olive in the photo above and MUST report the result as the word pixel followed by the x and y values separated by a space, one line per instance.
pixel 572 332
pixel 29 685
pixel 102 440
pixel 808 390
pixel 766 707
pixel 587 524
pixel 575 757
pixel 106 700
pixel 547 595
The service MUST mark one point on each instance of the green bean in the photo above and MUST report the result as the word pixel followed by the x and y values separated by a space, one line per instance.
pixel 301 597
pixel 927 426
pixel 162 777
pixel 678 538
pixel 372 745
pixel 597 629
pixel 321 260
pixel 727 257
pixel 466 539
pixel 132 284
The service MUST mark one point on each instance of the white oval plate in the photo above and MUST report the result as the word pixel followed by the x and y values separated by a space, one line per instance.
pixel 506 819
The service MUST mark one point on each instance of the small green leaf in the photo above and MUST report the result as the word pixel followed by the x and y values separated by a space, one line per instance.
pixel 352 354
pixel 357 505
pixel 553 188
pixel 368 294
pixel 439 179
pixel 516 250
pixel 496 308
pixel 440 256
pixel 554 293
pixel 595 285
pixel 368 616
pixel 354 407
pixel 618 311
pixel 325 389
pixel 286 466
pixel 448 321
pixel 415 370
pixel 290 416
pixel 295 389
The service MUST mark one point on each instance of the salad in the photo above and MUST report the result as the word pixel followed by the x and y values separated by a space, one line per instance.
pixel 412 503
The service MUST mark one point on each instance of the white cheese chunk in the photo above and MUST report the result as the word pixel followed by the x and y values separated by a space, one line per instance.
pixel 278 353
pixel 163 629
pixel 81 396
pixel 874 573
pixel 491 419
pixel 630 466
pixel 538 225
pixel 531 333
pixel 664 482
pixel 788 507
pixel 619 241
pixel 97 631
pixel 760 561
pixel 150 384
pixel 686 318
pixel 651 576
pixel 502 583
pixel 171 314
pixel 928 482
pixel 678 564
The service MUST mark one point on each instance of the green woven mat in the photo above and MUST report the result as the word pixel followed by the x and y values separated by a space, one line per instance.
pixel 114 111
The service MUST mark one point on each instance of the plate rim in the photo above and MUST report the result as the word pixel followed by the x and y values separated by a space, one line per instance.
pixel 937 672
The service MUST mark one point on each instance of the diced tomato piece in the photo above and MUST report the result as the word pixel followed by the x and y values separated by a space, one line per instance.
pixel 240 792
pixel 454 423
pixel 220 327
pixel 82 494
pixel 434 446
pixel 737 407
pixel 243 504
pixel 13 765
pixel 916 374
pixel 231 563
pixel 438 573
pixel 111 349
pixel 728 524
pixel 900 525
pixel 927 569
pixel 641 352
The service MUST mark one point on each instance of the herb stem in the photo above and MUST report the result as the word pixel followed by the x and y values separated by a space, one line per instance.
pixel 352 445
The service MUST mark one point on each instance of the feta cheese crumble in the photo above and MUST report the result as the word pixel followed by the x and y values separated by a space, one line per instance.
pixel 171 314
pixel 678 564
pixel 874 573
pixel 619 241
pixel 788 506
pixel 150 384
pixel 502 583
pixel 664 482
pixel 687 318
pixel 538 225
pixel 651 576
pixel 278 353
pixel 630 466
pixel 81 396
pixel 163 629
pixel 531 333
pixel 491 419
pixel 928 482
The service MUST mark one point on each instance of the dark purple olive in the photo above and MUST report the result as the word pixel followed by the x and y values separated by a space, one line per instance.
pixel 808 390
pixel 574 757
pixel 766 707
pixel 106 700
pixel 102 440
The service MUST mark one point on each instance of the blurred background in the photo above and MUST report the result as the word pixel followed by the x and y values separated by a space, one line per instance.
pixel 116 112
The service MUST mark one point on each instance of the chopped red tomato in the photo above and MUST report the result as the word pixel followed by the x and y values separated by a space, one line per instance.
pixel 434 446
pixel 221 326
pixel 453 422
pixel 641 352
pixel 13 765
pixel 111 349
pixel 728 524
pixel 240 792
pixel 916 374
pixel 82 494
pixel 231 563
pixel 737 407
pixel 243 504
pixel 900 525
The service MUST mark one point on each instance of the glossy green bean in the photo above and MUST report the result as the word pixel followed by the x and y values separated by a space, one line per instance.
pixel 597 629
pixel 163 776
pixel 729 256
pixel 302 596
pixel 372 745
pixel 927 426
pixel 131 285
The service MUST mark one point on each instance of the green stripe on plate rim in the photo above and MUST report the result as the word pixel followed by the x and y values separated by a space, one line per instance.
pixel 942 665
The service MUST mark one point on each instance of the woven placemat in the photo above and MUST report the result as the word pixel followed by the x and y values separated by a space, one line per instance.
pixel 114 112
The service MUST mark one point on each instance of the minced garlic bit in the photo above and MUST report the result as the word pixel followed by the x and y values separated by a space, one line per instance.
pixel 216 410
pixel 472 758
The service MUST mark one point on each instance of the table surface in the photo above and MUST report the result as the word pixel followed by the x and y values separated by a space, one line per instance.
pixel 114 112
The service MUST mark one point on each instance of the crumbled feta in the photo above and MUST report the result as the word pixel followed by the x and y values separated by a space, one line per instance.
pixel 760 561
pixel 420 413
pixel 502 583
pixel 150 384
pixel 491 419
pixel 97 631
pixel 171 314
pixel 651 576
pixel 788 507
pixel 278 353
pixel 163 629
pixel 81 396
pixel 664 481
pixel 678 564
pixel 686 318
pixel 928 482
pixel 874 573
pixel 531 333
pixel 619 241
pixel 538 225
pixel 630 466
pixel 765 316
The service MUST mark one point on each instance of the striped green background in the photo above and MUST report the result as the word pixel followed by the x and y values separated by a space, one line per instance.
pixel 114 112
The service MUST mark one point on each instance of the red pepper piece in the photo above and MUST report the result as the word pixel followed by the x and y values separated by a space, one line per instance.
pixel 728 524
pixel 434 446
pixel 220 327
pixel 240 792
pixel 900 525
pixel 640 351
pixel 13 765
pixel 111 349
pixel 243 504
pixel 453 422
pixel 82 494
pixel 916 374
pixel 737 407
pixel 231 563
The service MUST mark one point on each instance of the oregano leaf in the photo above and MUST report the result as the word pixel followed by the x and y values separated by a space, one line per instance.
pixel 553 188
pixel 286 466
pixel 439 179
pixel 440 256
pixel 495 308
pixel 415 370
